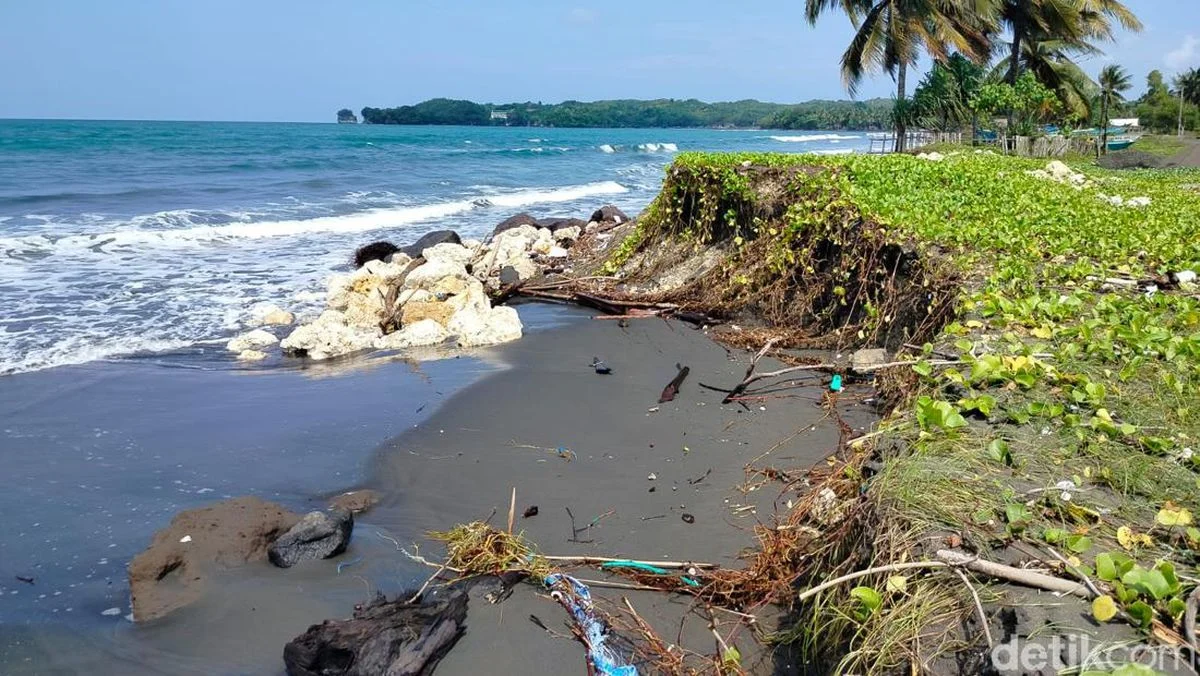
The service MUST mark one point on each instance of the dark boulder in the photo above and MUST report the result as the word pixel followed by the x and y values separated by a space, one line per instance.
pixel 375 251
pixel 556 224
pixel 318 535
pixel 174 569
pixel 515 222
pixel 415 249
pixel 609 214
pixel 396 638
pixel 509 276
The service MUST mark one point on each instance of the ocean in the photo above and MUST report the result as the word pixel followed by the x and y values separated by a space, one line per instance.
pixel 161 239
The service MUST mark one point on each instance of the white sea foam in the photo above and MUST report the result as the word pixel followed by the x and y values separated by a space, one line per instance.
pixel 658 147
pixel 364 221
pixel 813 137
pixel 607 149
pixel 173 281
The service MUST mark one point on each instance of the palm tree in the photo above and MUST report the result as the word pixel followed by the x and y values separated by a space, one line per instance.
pixel 1071 22
pixel 1187 87
pixel 1053 63
pixel 1113 81
pixel 890 34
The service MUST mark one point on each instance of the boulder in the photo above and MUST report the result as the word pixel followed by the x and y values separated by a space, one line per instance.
pixel 557 252
pixel 442 277
pixel 864 360
pixel 474 327
pixel 375 251
pixel 556 224
pixel 251 340
pixel 319 535
pixel 251 355
pixel 359 295
pixel 430 239
pixel 417 311
pixel 514 222
pixel 542 243
pixel 174 569
pixel 396 638
pixel 454 253
pixel 568 234
pixel 276 316
pixel 329 336
pixel 355 502
pixel 422 333
pixel 609 214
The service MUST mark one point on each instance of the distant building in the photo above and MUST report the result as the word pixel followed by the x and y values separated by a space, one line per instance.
pixel 500 115
pixel 1124 122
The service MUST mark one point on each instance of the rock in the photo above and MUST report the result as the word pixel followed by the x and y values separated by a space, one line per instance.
pixel 454 253
pixel 319 535
pixel 509 275
pixel 514 222
pixel 422 333
pixel 439 277
pixel 430 239
pixel 375 251
pixel 355 502
pixel 475 328
pixel 864 360
pixel 276 316
pixel 329 336
pixel 1184 277
pixel 609 214
pixel 392 638
pixel 556 224
pixel 417 311
pixel 932 157
pixel 359 295
pixel 173 570
pixel 251 340
pixel 251 355
pixel 568 234
pixel 557 252
pixel 543 243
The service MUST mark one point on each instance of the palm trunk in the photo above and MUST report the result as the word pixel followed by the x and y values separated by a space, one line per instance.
pixel 1014 68
pixel 1180 112
pixel 1103 149
pixel 901 127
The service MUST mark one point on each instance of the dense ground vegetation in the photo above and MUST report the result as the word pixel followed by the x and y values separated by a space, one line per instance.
pixel 1052 422
pixel 871 114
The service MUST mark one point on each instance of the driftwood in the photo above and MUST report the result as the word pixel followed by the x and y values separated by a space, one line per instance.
pixel 392 311
pixel 385 637
pixel 672 388
pixel 507 293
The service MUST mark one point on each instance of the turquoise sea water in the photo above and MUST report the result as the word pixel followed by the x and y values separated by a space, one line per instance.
pixel 120 238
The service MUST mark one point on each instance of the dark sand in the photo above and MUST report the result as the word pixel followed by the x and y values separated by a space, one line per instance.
pixel 295 439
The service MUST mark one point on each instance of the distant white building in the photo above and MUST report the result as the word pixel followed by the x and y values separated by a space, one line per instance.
pixel 500 115
pixel 1124 122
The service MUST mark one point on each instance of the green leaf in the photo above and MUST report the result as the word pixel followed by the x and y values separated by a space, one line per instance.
pixel 732 657
pixel 1176 607
pixel 1104 608
pixel 1149 582
pixel 869 598
pixel 1054 536
pixel 998 450
pixel 1079 543
pixel 923 368
pixel 1141 613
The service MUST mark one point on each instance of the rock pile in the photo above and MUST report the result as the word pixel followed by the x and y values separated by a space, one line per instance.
pixel 437 290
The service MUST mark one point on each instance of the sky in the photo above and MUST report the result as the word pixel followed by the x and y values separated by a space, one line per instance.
pixel 301 60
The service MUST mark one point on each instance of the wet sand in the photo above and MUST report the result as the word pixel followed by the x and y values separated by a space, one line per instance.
pixel 300 439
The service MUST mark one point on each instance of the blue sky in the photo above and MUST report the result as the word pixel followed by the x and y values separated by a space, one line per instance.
pixel 302 60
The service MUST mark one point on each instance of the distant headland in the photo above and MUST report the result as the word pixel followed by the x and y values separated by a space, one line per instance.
pixel 868 114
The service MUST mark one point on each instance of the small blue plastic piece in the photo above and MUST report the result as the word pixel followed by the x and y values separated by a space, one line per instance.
pixel 835 385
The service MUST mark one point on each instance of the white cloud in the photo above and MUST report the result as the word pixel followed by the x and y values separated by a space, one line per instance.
pixel 582 15
pixel 1184 55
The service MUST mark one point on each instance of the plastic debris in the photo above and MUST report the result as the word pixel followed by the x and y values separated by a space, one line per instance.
pixel 111 612
pixel 347 564
pixel 577 599
pixel 532 510
pixel 835 384
pixel 646 567
pixel 601 368
pixel 688 518
pixel 186 538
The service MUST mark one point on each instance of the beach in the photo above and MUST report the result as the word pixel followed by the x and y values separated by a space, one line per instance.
pixel 443 442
